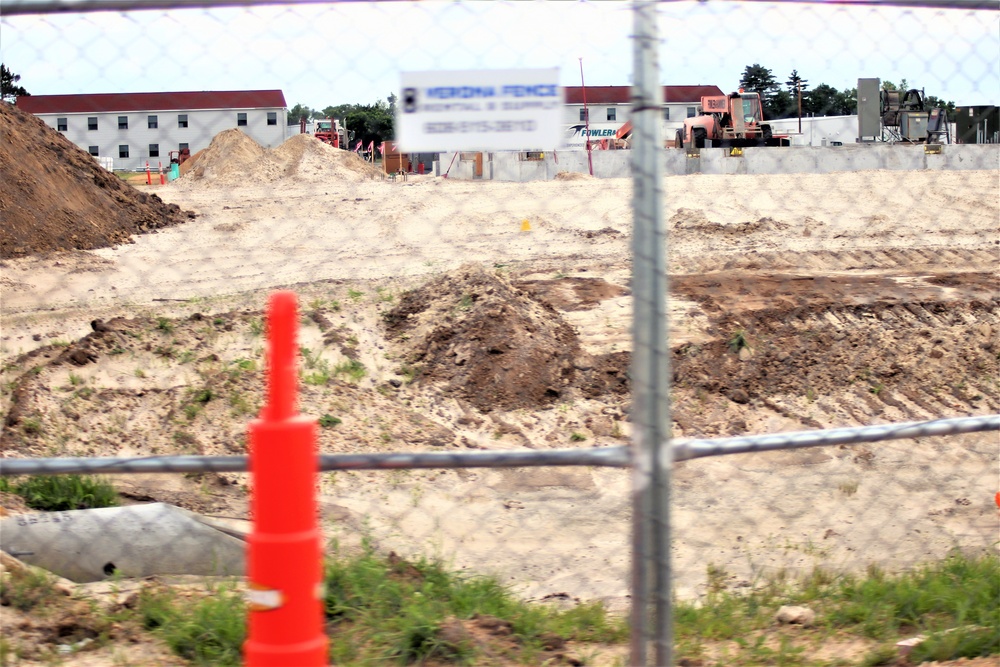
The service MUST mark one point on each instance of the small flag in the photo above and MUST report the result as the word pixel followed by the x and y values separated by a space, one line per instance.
pixel 358 147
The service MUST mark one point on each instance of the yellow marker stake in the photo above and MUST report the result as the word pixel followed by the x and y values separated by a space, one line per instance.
pixel 525 225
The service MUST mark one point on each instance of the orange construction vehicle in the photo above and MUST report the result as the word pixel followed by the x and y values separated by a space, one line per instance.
pixel 728 120
pixel 329 131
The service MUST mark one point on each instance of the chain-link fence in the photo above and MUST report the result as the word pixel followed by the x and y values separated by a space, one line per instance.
pixel 766 230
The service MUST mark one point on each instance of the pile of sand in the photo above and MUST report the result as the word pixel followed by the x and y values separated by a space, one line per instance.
pixel 57 197
pixel 234 159
pixel 572 176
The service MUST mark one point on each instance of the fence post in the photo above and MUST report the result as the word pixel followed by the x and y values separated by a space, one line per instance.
pixel 284 559
pixel 652 454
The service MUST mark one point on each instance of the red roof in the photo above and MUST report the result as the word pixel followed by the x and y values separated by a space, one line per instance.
pixel 623 94
pixel 190 101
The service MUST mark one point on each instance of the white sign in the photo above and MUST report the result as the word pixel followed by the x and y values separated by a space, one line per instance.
pixel 518 109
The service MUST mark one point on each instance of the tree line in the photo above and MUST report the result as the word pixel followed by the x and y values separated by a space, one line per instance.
pixel 364 122
pixel 782 100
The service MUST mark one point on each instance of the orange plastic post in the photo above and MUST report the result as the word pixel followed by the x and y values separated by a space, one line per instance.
pixel 284 562
pixel 163 179
pixel 149 177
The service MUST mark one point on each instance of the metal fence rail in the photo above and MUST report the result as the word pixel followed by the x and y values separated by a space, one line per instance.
pixel 684 449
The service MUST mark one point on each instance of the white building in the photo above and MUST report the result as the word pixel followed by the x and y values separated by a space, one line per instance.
pixel 610 107
pixel 136 128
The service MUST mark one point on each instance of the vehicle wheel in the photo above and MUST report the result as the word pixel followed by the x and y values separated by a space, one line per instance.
pixel 765 131
pixel 698 135
pixel 679 139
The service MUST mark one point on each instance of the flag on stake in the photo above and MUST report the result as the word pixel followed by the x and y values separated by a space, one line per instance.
pixel 358 147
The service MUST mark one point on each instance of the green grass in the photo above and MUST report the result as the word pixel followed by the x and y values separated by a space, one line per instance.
pixel 957 592
pixel 210 631
pixel 57 493
pixel 392 609
pixel 352 368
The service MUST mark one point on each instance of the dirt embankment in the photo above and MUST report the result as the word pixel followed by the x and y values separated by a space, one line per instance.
pixel 56 197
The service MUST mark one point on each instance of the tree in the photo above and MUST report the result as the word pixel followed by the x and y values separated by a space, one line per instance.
pixel 758 79
pixel 823 100
pixel 297 113
pixel 796 82
pixel 781 104
pixel 9 90
pixel 392 102
pixel 370 123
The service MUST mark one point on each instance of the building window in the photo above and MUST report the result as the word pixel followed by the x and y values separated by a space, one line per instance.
pixel 122 122
pixel 152 122
pixel 92 122
pixel 123 150
pixel 154 150
pixel 182 120
pixel 272 118
pixel 692 112
pixel 61 124
pixel 241 120
pixel 94 150
pixel 666 114
pixel 612 113
pixel 182 147
pixel 583 115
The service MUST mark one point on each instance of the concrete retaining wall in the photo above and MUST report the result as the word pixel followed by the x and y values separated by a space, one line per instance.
pixel 509 166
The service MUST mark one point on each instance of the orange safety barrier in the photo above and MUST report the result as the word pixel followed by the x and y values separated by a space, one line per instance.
pixel 284 561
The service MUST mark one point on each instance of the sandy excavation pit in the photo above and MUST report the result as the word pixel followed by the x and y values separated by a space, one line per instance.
pixel 431 322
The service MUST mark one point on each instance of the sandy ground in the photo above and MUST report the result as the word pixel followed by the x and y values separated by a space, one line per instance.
pixel 866 298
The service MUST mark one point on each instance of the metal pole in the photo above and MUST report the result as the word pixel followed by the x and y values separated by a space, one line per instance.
pixel 798 86
pixel 586 119
pixel 650 371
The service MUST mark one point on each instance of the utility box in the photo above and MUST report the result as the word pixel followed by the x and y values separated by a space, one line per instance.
pixel 913 125
pixel 977 125
pixel 869 109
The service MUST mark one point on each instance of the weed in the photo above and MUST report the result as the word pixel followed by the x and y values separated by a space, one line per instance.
pixel 352 368
pixel 164 324
pixel 811 395
pixel 116 350
pixel 384 295
pixel 218 321
pixel 203 396
pixel 58 493
pixel 354 295
pixel 27 589
pixel 329 421
pixel 848 488
pixel 85 392
pixel 210 631
pixel 738 341
pixel 59 343
pixel 186 357
pixel 876 388
pixel 577 437
pixel 465 303
pixel 409 373
pixel 335 305
pixel 139 373
pixel 256 326
pixel 239 403
pixel 31 426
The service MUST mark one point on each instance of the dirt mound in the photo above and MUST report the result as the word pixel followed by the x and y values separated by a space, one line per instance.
pixel 486 340
pixel 56 197
pixel 572 176
pixel 233 159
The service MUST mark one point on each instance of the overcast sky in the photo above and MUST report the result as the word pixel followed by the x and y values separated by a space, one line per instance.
pixel 321 55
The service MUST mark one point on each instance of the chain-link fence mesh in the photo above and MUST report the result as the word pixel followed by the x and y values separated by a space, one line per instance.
pixel 505 350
